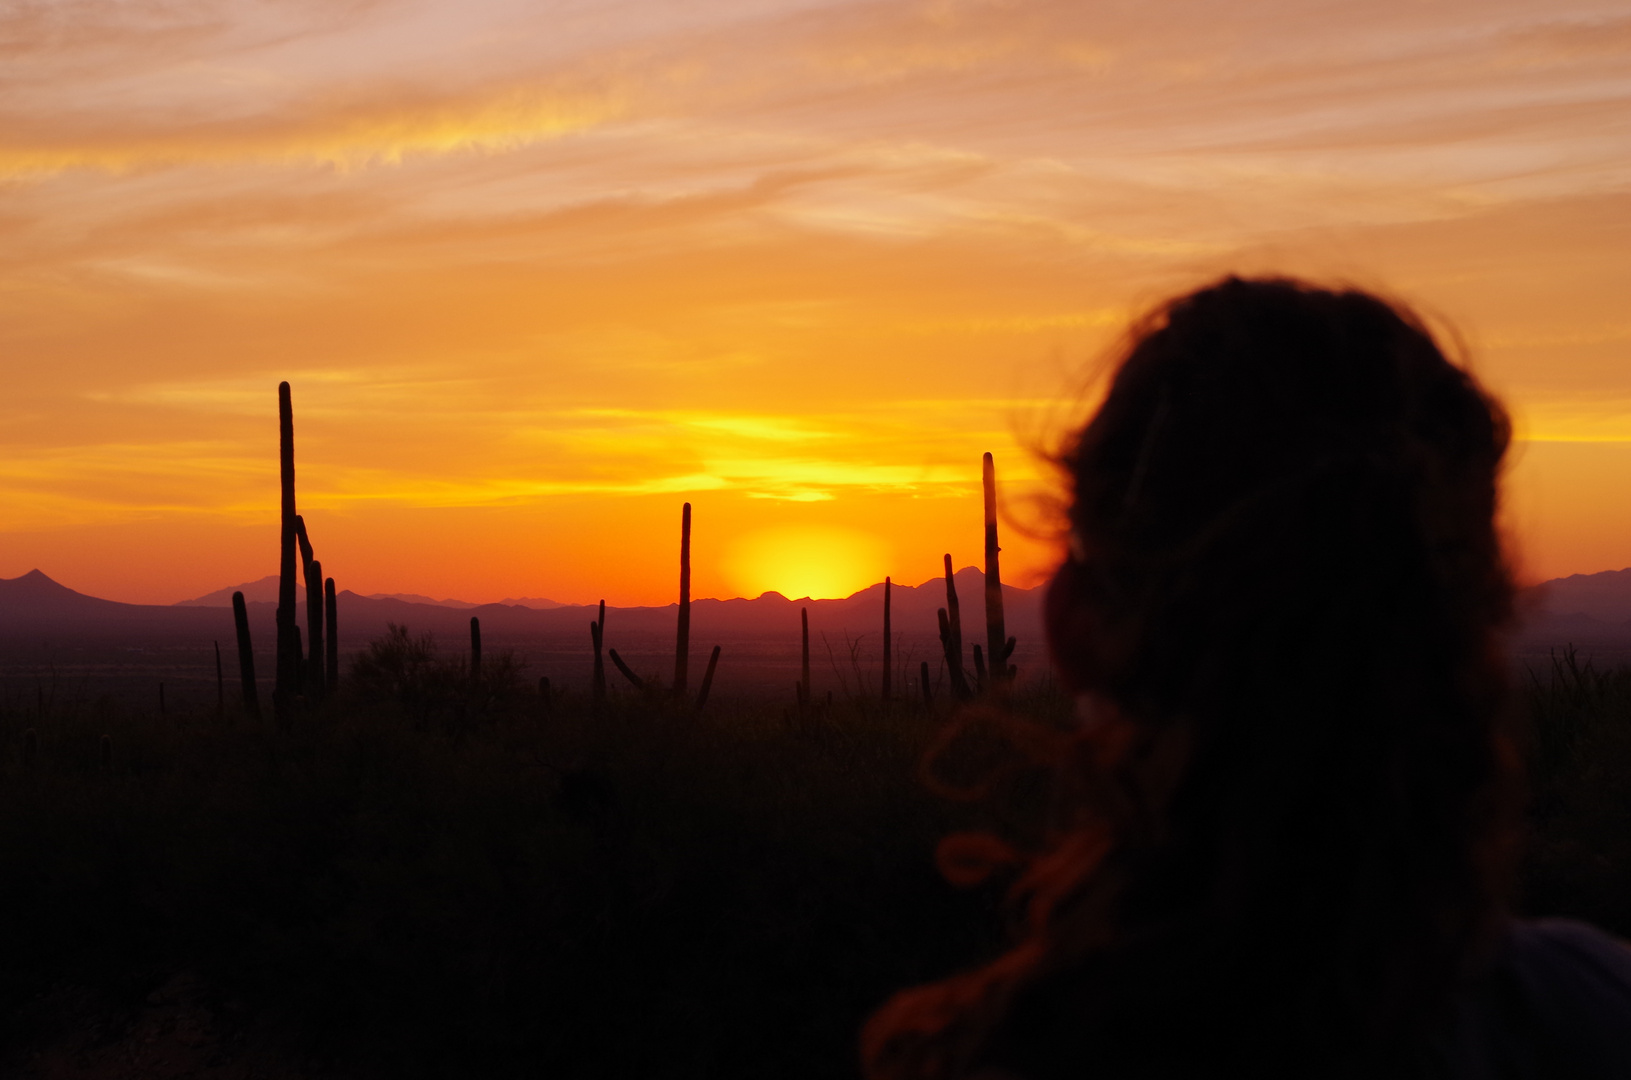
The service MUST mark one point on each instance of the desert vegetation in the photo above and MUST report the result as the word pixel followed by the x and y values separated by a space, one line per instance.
pixel 412 881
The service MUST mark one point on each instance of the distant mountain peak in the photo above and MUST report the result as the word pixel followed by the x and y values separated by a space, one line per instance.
pixel 36 583
pixel 263 591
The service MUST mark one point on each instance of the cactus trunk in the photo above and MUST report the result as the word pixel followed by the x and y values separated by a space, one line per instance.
pixel 288 648
pixel 682 638
pixel 246 658
pixel 475 655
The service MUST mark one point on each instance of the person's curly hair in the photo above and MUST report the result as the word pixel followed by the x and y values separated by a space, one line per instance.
pixel 1283 616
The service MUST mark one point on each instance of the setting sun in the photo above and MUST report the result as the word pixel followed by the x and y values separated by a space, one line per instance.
pixel 819 563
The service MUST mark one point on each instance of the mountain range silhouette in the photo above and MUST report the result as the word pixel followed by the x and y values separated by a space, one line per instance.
pixel 1590 610
pixel 34 605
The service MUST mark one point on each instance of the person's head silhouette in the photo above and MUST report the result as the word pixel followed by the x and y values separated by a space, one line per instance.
pixel 1282 615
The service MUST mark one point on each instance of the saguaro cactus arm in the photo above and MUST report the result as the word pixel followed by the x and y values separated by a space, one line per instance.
pixel 636 681
pixel 316 668
pixel 306 553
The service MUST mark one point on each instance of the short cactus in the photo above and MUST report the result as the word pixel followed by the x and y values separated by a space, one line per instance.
pixel 597 634
pixel 246 658
pixel 331 639
pixel 707 679
pixel 682 636
pixel 888 653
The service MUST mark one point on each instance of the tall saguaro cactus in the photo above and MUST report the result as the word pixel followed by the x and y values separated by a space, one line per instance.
pixel 997 646
pixel 682 637
pixel 246 658
pixel 288 647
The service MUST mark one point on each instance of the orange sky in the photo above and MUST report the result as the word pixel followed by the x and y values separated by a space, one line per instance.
pixel 540 272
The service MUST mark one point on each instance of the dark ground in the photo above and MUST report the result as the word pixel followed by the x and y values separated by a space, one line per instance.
pixel 407 884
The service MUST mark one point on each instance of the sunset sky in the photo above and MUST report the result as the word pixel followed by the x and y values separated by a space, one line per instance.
pixel 539 272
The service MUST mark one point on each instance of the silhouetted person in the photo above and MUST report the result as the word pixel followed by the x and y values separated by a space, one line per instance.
pixel 1282 615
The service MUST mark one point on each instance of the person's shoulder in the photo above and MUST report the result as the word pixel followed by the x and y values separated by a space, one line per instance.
pixel 1577 981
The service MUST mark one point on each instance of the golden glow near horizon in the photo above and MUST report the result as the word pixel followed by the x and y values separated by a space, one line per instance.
pixel 539 273
pixel 812 561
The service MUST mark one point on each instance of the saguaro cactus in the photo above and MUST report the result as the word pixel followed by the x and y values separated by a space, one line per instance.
pixel 888 644
pixel 475 655
pixel 597 634
pixel 996 636
pixel 331 639
pixel 246 658
pixel 707 679
pixel 682 637
pixel 288 648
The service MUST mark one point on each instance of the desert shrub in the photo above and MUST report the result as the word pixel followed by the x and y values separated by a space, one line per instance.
pixel 411 674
